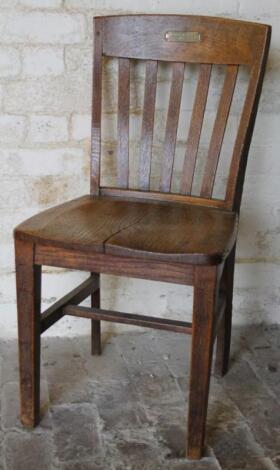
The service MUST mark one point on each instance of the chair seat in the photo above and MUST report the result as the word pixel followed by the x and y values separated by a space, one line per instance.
pixel 167 231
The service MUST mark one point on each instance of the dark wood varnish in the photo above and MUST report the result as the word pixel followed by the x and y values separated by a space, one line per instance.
pixel 129 319
pixel 129 194
pixel 123 122
pixel 177 273
pixel 96 107
pixel 195 128
pixel 155 235
pixel 75 297
pixel 193 234
pixel 218 131
pixel 28 279
pixel 95 324
pixel 171 126
pixel 223 41
pixel 204 304
pixel 224 329
pixel 148 125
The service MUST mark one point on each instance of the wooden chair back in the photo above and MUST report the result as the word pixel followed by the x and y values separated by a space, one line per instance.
pixel 178 40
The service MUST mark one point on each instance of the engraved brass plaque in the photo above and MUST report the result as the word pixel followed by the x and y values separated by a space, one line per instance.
pixel 182 36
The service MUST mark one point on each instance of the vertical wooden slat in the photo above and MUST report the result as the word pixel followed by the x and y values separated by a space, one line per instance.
pixel 172 125
pixel 148 125
pixel 123 122
pixel 96 107
pixel 195 128
pixel 219 131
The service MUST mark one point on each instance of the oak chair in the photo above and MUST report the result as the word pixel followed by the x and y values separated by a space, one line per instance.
pixel 161 235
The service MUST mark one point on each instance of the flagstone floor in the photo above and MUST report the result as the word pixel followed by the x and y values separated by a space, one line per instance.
pixel 127 408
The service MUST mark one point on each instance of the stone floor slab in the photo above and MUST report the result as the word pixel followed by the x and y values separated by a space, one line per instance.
pixel 76 432
pixel 234 443
pixel 29 451
pixel 136 450
pixel 182 464
pixel 127 409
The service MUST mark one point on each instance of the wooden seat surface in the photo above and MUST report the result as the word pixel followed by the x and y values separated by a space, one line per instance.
pixel 165 231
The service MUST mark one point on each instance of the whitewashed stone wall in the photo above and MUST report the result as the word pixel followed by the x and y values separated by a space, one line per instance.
pixel 45 97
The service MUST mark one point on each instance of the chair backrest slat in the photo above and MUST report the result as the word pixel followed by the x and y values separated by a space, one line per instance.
pixel 218 131
pixel 179 39
pixel 146 143
pixel 195 128
pixel 172 125
pixel 123 122
pixel 96 107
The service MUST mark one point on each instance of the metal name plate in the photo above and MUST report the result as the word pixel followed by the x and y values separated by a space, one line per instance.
pixel 182 36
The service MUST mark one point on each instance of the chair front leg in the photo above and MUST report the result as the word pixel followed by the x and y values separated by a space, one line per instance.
pixel 28 281
pixel 224 330
pixel 204 302
pixel 96 324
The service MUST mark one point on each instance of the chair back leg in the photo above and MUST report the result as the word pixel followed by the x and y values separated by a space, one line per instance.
pixel 96 348
pixel 224 330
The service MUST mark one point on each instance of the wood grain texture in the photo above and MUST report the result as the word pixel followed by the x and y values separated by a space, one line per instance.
pixel 177 273
pixel 123 122
pixel 218 131
pixel 171 126
pixel 28 279
pixel 167 232
pixel 96 107
pixel 83 223
pixel 204 306
pixel 186 234
pixel 157 196
pixel 146 142
pixel 223 40
pixel 195 128
pixel 224 330
pixel 129 319
pixel 55 312
pixel 220 309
